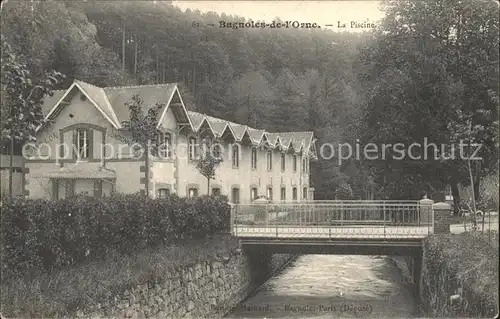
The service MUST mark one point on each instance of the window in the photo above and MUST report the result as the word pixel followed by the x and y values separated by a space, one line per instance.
pixel 283 162
pixel 447 193
pixel 283 193
pixel 254 158
pixel 236 156
pixel 217 151
pixel 295 163
pixel 303 165
pixel 235 195
pixel 193 192
pixel 253 193
pixel 270 193
pixel 165 145
pixel 447 190
pixel 269 161
pixel 215 191
pixel 304 193
pixel 294 193
pixel 83 143
pixel 307 166
pixel 192 148
pixel 163 192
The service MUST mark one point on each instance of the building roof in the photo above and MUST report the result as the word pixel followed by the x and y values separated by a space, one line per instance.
pixel 300 141
pixel 150 95
pixel 111 101
pixel 50 101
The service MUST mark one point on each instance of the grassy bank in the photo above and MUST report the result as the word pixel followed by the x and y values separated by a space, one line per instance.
pixel 61 293
pixel 464 265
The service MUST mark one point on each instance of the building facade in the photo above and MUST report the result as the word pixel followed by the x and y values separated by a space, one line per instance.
pixel 86 147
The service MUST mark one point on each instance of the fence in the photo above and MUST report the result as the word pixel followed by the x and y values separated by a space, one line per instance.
pixel 360 217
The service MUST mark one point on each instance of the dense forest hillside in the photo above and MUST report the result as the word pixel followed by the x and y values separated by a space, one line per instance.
pixel 344 86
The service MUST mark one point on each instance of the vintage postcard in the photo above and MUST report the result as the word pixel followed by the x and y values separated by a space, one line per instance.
pixel 249 159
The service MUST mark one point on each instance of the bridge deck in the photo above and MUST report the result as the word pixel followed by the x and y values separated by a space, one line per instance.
pixel 343 232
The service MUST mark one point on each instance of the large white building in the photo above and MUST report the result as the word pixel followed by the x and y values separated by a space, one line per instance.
pixel 88 122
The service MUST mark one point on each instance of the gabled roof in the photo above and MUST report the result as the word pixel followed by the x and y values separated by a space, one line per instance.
pixel 218 127
pixel 304 138
pixel 50 101
pixel 255 135
pixel 286 141
pixel 197 119
pixel 150 95
pixel 111 101
pixel 92 93
pixel 272 138
pixel 98 95
pixel 238 129
pixel 296 141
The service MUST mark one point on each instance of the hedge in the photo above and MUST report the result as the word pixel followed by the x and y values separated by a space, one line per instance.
pixel 40 235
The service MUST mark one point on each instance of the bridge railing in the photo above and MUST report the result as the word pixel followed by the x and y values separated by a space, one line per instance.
pixel 370 215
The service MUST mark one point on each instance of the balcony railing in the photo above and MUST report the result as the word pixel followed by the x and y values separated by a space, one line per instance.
pixel 340 219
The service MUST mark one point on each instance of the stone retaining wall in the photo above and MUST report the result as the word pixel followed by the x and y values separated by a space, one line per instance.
pixel 207 290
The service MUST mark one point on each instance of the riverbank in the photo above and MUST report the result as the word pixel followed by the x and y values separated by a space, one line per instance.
pixel 459 275
pixel 200 278
pixel 331 286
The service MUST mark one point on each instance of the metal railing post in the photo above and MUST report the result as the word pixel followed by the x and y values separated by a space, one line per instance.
pixel 266 216
pixel 329 228
pixel 341 214
pixel 300 214
pixel 383 210
pixel 418 215
pixel 402 214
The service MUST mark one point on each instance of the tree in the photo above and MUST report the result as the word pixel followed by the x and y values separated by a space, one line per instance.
pixel 289 80
pixel 425 68
pixel 143 127
pixel 22 101
pixel 208 162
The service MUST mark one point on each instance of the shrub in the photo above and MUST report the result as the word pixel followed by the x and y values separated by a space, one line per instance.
pixel 41 235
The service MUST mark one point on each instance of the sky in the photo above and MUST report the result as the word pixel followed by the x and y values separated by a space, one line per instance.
pixel 322 12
